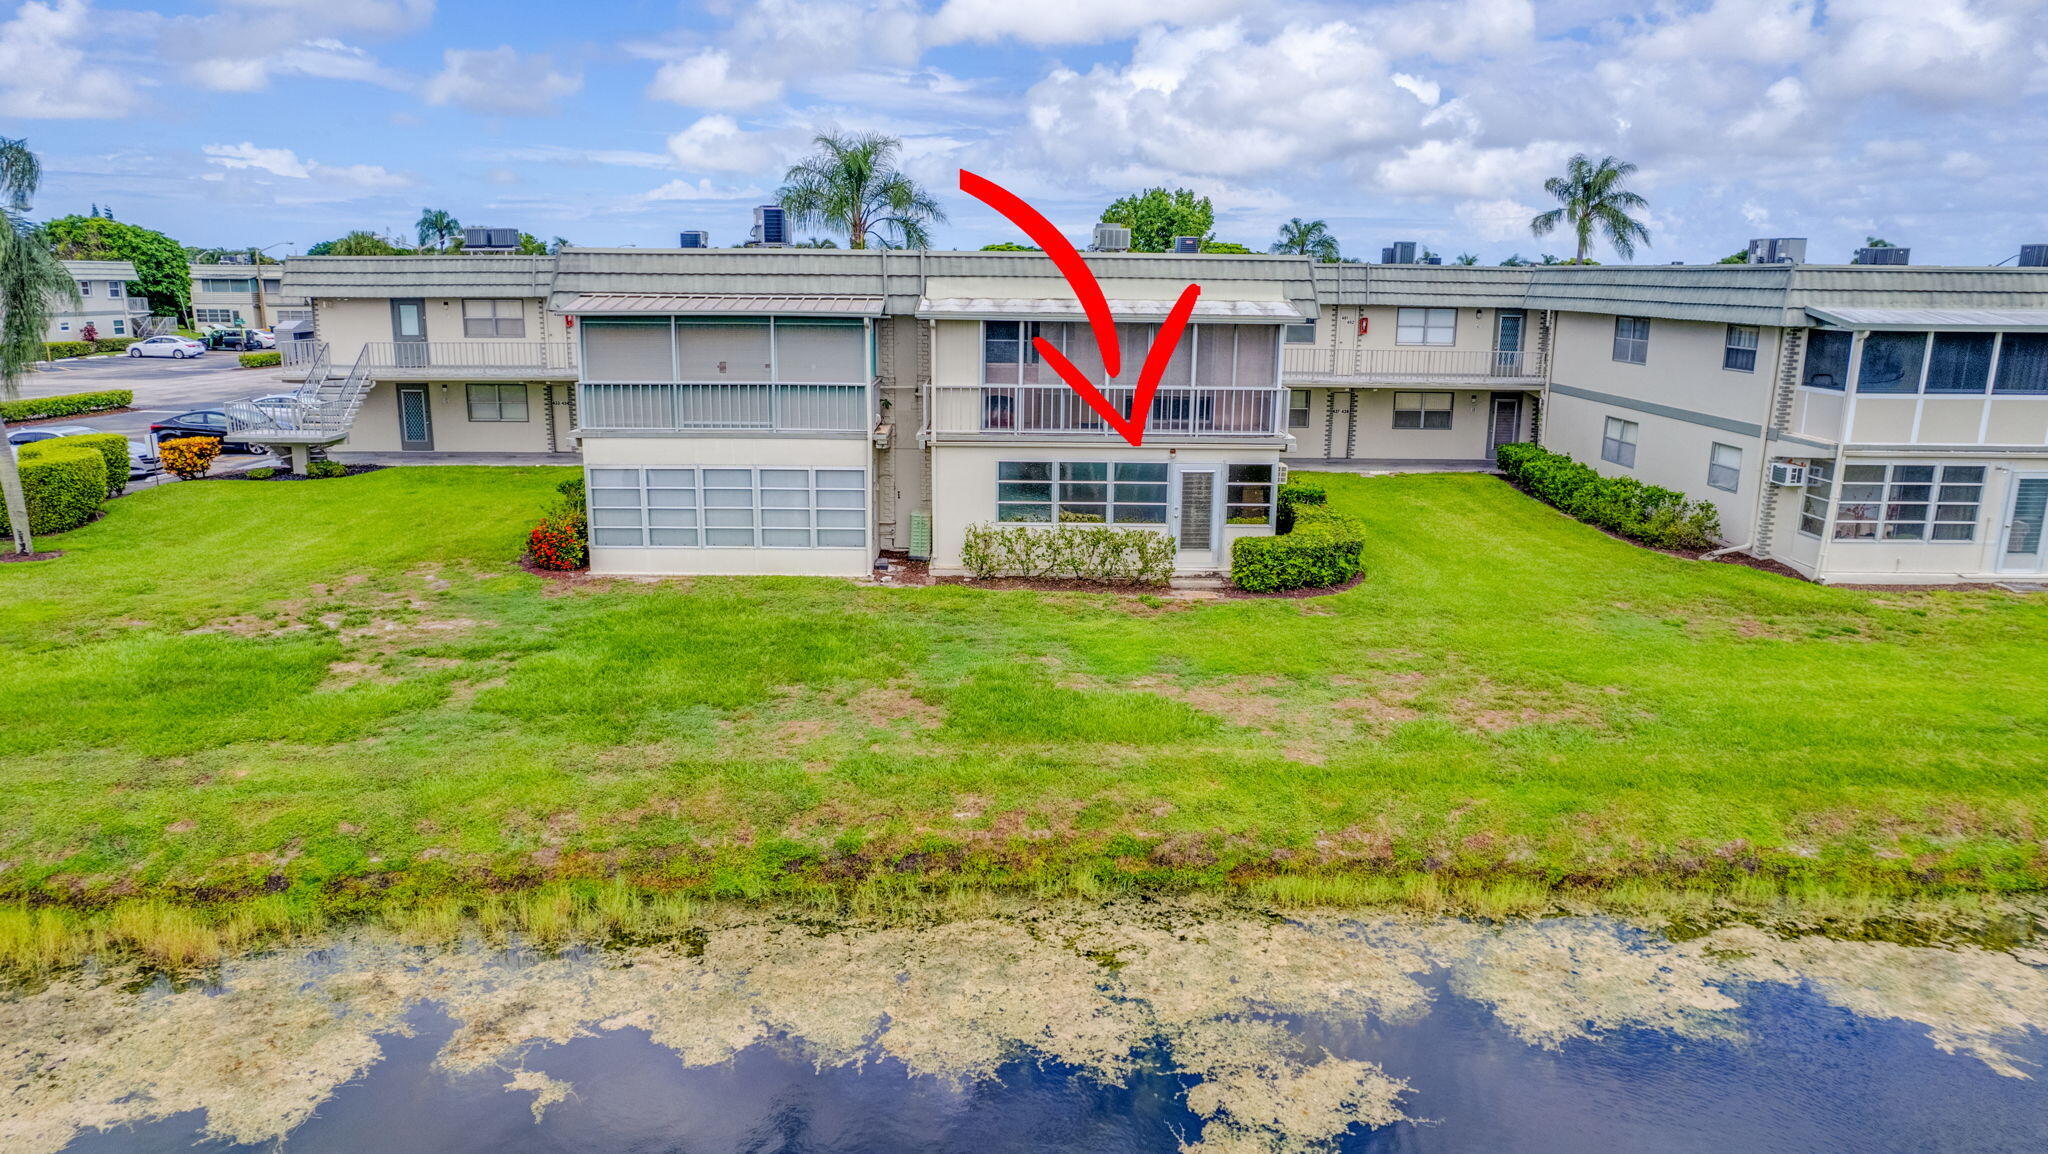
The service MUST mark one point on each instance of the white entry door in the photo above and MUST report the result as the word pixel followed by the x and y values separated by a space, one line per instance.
pixel 2023 548
pixel 1195 509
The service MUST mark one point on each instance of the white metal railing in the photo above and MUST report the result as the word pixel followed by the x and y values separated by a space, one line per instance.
pixel 1409 364
pixel 322 409
pixel 295 353
pixel 1056 409
pixel 507 354
pixel 776 406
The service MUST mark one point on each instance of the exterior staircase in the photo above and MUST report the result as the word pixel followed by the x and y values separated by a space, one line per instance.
pixel 320 412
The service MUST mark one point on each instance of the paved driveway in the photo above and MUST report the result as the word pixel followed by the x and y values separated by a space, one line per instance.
pixel 163 388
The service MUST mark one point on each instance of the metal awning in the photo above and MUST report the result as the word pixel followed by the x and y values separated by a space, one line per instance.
pixel 1922 320
pixel 725 304
pixel 1208 309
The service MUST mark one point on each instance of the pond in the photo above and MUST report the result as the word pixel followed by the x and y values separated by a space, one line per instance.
pixel 1126 1026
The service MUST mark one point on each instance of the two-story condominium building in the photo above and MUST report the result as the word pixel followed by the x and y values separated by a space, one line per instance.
pixel 103 303
pixel 761 410
pixel 238 295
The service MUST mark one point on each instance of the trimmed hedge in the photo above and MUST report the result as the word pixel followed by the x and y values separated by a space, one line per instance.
pixel 261 360
pixel 1662 518
pixel 60 350
pixel 1088 552
pixel 113 344
pixel 68 405
pixel 112 446
pixel 64 485
pixel 1293 496
pixel 1320 550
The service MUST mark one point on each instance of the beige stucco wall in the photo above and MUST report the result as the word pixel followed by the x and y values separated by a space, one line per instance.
pixel 1683 368
pixel 347 324
pixel 821 452
pixel 1883 562
pixel 964 490
pixel 1669 452
pixel 1939 420
pixel 1334 431
pixel 376 425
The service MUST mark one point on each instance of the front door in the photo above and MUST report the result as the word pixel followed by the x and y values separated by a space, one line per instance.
pixel 1507 342
pixel 415 420
pixel 409 334
pixel 1507 421
pixel 2024 538
pixel 1194 517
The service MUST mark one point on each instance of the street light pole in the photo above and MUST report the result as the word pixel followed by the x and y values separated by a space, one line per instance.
pixel 256 263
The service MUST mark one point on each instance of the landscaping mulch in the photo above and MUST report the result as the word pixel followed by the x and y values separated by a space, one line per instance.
pixel 50 555
pixel 286 475
pixel 72 418
pixel 1234 593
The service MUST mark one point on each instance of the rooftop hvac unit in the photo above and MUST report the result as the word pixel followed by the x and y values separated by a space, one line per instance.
pixel 1111 238
pixel 1431 260
pixel 490 240
pixel 771 226
pixel 1888 254
pixel 1788 473
pixel 1402 252
pixel 1187 244
pixel 695 238
pixel 2034 256
pixel 1778 250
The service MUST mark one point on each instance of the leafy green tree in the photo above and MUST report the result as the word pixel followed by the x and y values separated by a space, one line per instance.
pixel 852 186
pixel 1155 216
pixel 436 228
pixel 816 242
pixel 1225 248
pixel 1739 256
pixel 162 272
pixel 531 245
pixel 358 243
pixel 1594 196
pixel 1516 260
pixel 1877 242
pixel 1009 246
pixel 1307 238
pixel 30 279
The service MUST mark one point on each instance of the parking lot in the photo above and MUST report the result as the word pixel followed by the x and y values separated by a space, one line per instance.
pixel 163 388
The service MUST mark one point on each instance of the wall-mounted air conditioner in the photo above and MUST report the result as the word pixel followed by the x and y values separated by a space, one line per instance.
pixel 1790 474
pixel 1111 238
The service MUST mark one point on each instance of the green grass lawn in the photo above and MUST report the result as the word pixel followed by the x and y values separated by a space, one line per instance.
pixel 344 690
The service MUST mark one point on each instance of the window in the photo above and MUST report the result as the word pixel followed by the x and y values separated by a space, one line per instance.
pixel 63 326
pixel 1618 443
pixel 1248 492
pixel 1739 355
pixel 120 327
pixel 113 288
pixel 497 402
pixel 1304 334
pixel 1891 363
pixel 273 286
pixel 1422 410
pixel 770 508
pixel 1827 359
pixel 219 285
pixel 1297 408
pixel 1724 467
pixel 214 316
pixel 1086 492
pixel 1425 326
pixel 1960 363
pixel 1905 502
pixel 1813 506
pixel 1632 340
pixel 2022 364
pixel 85 288
pixel 493 318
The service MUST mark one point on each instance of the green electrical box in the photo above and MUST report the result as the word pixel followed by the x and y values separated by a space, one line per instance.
pixel 920 536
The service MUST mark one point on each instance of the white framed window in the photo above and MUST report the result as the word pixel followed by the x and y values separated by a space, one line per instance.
pixel 1618 443
pixel 1422 410
pixel 114 288
pixel 1302 334
pixel 1909 502
pixel 120 327
pixel 1297 408
pixel 1426 326
pixel 85 288
pixel 214 316
pixel 493 318
pixel 1632 340
pixel 1813 504
pixel 1248 494
pixel 63 326
pixel 1738 355
pixel 1081 492
pixel 497 402
pixel 1724 467
pixel 765 507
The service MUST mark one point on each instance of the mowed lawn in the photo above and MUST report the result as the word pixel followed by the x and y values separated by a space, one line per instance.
pixel 347 686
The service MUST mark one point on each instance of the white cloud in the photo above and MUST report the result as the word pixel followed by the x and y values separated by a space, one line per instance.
pixel 252 42
pixel 285 163
pixel 1464 169
pixel 716 143
pixel 1498 219
pixel 43 65
pixel 1064 21
pixel 499 81
pixel 708 80
pixel 1427 91
pixel 703 189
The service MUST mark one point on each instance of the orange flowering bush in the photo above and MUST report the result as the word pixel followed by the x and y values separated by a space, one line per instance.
pixel 559 542
pixel 189 457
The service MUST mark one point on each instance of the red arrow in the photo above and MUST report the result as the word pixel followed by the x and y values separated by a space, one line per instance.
pixel 1096 307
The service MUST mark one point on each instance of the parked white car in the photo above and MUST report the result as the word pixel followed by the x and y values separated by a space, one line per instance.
pixel 175 347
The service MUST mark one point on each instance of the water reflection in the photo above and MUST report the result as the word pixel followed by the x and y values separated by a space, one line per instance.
pixel 1134 1026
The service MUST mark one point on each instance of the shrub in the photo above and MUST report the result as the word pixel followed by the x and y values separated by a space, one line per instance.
pixel 1295 495
pixel 113 344
pixel 1322 549
pixel 58 350
pixel 189 457
pixel 572 493
pixel 68 405
pixel 261 360
pixel 1663 518
pixel 63 484
pixel 1090 552
pixel 261 473
pixel 559 542
pixel 112 446
pixel 319 469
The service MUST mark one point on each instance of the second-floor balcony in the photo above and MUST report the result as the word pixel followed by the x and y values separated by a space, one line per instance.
pixel 1055 411
pixel 1403 366
pixel 763 406
pixel 479 360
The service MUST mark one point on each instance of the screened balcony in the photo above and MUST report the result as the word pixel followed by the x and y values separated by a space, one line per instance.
pixel 684 373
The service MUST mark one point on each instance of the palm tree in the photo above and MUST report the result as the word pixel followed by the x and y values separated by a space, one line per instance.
pixel 437 227
pixel 852 186
pixel 1592 196
pixel 1467 259
pixel 30 278
pixel 1307 238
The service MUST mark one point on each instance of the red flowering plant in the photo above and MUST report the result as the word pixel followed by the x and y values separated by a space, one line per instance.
pixel 561 541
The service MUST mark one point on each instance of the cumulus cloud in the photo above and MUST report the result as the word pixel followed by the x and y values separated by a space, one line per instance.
pixel 249 43
pixel 717 143
pixel 499 81
pixel 286 164
pixel 46 65
pixel 1064 21
pixel 708 79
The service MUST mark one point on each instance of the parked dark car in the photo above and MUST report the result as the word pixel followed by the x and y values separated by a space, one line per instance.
pixel 142 460
pixel 199 423
pixel 238 340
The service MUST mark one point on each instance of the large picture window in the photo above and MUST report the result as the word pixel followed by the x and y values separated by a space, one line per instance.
pixel 1422 410
pixel 714 350
pixel 1426 326
pixel 1909 502
pixel 1960 362
pixel 729 507
pixel 2022 364
pixel 1081 492
pixel 497 402
pixel 1618 443
pixel 492 318
pixel 1891 363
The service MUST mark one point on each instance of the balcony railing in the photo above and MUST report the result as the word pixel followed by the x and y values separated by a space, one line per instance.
pixel 494 355
pixel 1056 410
pixel 1405 365
pixel 295 353
pixel 777 407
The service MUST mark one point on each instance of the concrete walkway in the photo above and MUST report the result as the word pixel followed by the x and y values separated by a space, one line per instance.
pixel 1383 465
pixel 348 458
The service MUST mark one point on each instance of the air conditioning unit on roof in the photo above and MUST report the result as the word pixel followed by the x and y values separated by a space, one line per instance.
pixel 1187 244
pixel 1401 252
pixel 490 240
pixel 695 238
pixel 1778 250
pixel 1111 238
pixel 771 226
pixel 1884 254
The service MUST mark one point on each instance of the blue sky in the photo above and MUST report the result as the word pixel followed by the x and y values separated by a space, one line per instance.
pixel 267 121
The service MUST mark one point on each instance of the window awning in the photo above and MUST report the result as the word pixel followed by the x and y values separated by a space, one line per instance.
pixel 724 304
pixel 1922 320
pixel 1208 309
